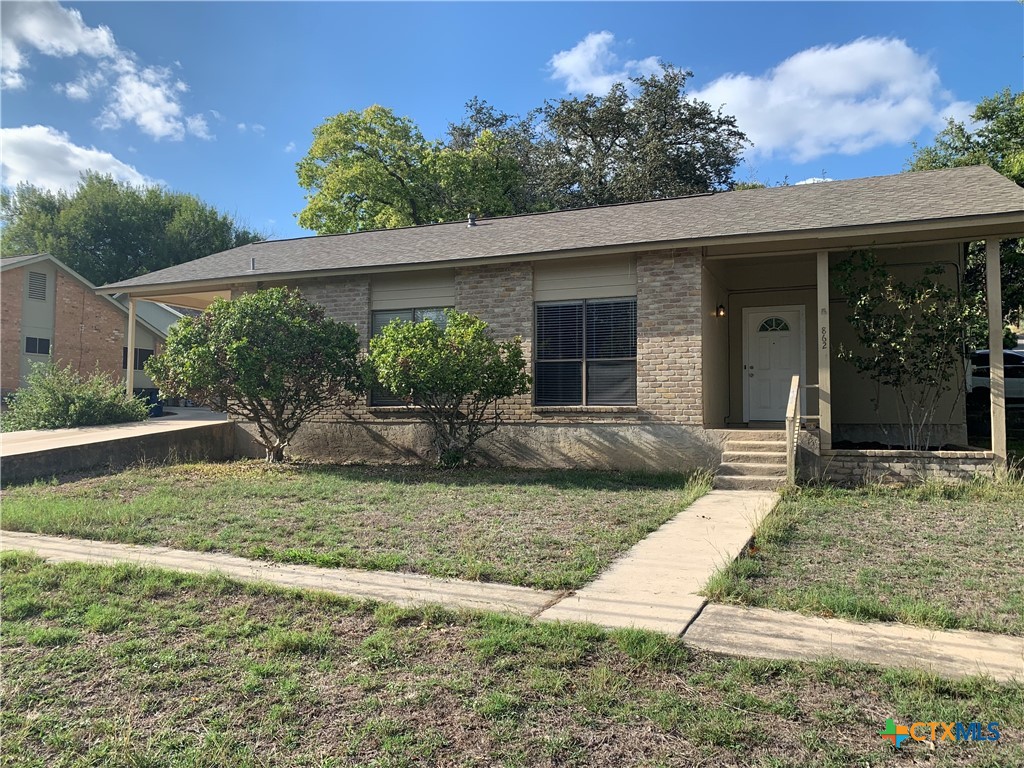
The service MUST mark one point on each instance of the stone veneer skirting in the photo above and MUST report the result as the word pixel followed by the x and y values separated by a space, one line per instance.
pixel 850 467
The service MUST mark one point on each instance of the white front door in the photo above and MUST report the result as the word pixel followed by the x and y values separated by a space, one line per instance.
pixel 773 353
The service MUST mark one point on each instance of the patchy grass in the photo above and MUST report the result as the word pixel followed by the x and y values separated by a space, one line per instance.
pixel 122 666
pixel 546 529
pixel 938 555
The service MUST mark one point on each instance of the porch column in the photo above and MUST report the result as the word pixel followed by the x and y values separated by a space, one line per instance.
pixel 823 344
pixel 129 382
pixel 997 385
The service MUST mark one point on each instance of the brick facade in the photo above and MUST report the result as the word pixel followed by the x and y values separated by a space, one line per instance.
pixel 11 288
pixel 664 430
pixel 89 332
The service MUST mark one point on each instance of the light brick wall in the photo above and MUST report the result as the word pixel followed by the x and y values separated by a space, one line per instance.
pixel 502 296
pixel 345 300
pixel 11 288
pixel 668 386
pixel 89 332
pixel 849 467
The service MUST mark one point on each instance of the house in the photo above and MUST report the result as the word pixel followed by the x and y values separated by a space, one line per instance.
pixel 49 311
pixel 655 331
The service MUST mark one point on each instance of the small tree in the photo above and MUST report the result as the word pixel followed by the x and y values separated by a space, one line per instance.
pixel 269 357
pixel 456 375
pixel 911 337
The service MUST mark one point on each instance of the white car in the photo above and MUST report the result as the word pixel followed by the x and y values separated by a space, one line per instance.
pixel 1013 373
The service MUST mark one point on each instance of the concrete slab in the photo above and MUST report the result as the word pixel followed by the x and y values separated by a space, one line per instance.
pixel 34 440
pixel 771 634
pixel 654 586
pixel 399 588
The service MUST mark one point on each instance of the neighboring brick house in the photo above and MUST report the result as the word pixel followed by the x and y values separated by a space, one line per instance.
pixel 654 331
pixel 48 311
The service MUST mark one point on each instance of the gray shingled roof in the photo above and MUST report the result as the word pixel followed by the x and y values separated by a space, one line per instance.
pixel 905 197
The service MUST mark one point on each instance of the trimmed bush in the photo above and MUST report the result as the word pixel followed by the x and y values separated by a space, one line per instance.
pixel 56 398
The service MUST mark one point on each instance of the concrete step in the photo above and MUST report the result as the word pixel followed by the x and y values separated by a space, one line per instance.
pixel 752 470
pixel 751 446
pixel 748 483
pixel 745 435
pixel 753 457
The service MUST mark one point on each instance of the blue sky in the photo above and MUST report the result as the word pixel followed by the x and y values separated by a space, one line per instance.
pixel 220 99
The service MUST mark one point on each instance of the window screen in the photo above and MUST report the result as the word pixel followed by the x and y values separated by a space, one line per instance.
pixel 380 318
pixel 586 353
pixel 37 286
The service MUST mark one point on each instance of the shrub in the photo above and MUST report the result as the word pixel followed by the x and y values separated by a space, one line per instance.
pixel 269 357
pixel 456 376
pixel 56 398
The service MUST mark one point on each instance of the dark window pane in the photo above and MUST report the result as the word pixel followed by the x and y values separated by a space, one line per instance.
pixel 141 356
pixel 43 345
pixel 559 331
pixel 611 383
pixel 31 345
pixel 558 384
pixel 980 358
pixel 611 329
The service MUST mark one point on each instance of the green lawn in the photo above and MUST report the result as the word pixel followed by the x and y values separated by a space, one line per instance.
pixel 121 666
pixel 944 556
pixel 553 530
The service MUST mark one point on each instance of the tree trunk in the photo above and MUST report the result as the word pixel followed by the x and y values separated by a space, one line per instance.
pixel 275 453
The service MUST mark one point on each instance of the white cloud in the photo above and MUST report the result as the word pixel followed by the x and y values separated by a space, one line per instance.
pixel 47 158
pixel 242 127
pixel 814 180
pixel 49 29
pixel 197 126
pixel 846 99
pixel 147 96
pixel 289 147
pixel 592 67
pixel 258 129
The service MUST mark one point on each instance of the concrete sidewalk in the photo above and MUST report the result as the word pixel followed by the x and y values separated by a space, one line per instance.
pixel 770 634
pixel 399 588
pixel 654 586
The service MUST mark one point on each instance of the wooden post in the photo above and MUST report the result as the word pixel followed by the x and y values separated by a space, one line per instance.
pixel 823 343
pixel 997 383
pixel 129 383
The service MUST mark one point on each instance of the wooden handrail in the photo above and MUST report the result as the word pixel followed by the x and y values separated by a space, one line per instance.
pixel 792 429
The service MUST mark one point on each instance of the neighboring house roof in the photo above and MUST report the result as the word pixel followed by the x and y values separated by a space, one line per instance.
pixel 927 196
pixel 152 322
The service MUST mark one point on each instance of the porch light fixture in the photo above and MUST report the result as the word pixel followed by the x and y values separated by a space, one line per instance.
pixel 720 311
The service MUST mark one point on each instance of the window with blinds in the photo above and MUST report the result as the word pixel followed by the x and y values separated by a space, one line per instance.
pixel 141 356
pixel 381 317
pixel 37 286
pixel 585 352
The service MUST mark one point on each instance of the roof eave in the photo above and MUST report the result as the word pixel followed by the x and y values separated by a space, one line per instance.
pixel 1003 225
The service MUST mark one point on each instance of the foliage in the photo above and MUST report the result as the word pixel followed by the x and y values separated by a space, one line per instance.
pixel 456 375
pixel 996 139
pixel 641 141
pixel 269 357
pixel 57 398
pixel 911 335
pixel 109 231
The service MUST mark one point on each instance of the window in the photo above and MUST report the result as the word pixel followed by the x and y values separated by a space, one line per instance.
pixel 585 352
pixel 141 356
pixel 381 317
pixel 773 324
pixel 37 286
pixel 34 346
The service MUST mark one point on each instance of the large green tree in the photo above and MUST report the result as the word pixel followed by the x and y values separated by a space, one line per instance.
pixel 996 139
pixel 642 140
pixel 269 357
pixel 108 230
